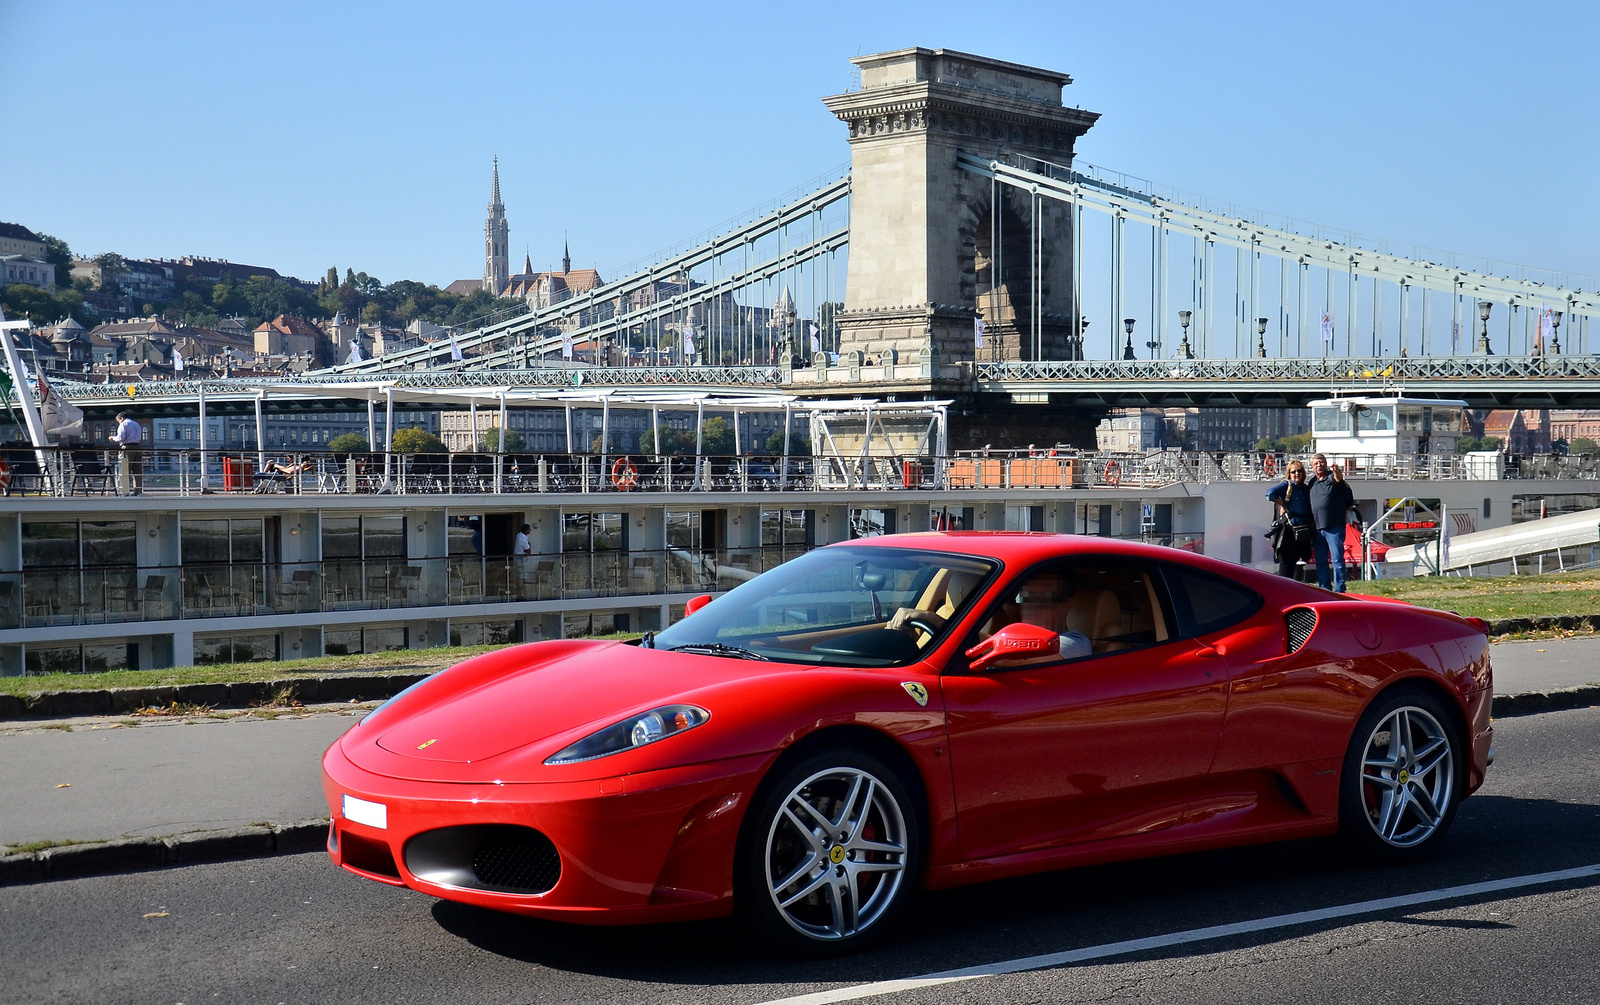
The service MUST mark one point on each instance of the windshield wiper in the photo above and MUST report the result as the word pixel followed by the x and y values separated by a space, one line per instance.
pixel 718 649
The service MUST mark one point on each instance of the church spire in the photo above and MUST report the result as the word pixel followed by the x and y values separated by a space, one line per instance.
pixel 566 255
pixel 496 237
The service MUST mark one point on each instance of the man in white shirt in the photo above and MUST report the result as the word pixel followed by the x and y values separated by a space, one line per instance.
pixel 129 439
pixel 523 546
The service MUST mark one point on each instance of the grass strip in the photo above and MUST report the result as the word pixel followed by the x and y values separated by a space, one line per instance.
pixel 1551 595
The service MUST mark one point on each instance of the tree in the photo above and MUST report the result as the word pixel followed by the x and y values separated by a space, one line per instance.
pixel 110 265
pixel 40 306
pixel 1583 445
pixel 1468 443
pixel 799 443
pixel 491 441
pixel 672 441
pixel 413 440
pixel 716 436
pixel 349 443
pixel 58 254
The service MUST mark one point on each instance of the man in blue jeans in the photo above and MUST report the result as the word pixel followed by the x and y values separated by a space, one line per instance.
pixel 1331 499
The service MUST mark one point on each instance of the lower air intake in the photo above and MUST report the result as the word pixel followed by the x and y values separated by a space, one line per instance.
pixel 503 858
pixel 1300 621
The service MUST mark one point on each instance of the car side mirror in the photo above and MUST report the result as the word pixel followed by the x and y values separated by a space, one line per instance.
pixel 695 603
pixel 1020 641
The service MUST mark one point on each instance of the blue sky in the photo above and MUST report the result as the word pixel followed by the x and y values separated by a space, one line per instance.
pixel 301 135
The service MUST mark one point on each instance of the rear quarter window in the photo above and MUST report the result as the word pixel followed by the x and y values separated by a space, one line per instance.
pixel 1205 603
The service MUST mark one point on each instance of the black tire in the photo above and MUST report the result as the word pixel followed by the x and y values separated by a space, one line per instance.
pixel 1426 772
pixel 859 870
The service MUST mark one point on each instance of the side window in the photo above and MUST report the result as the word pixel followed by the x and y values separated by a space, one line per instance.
pixel 1095 608
pixel 1205 603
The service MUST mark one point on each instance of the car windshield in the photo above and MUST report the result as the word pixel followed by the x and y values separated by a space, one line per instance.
pixel 838 606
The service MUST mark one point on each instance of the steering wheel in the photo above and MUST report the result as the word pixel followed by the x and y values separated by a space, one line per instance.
pixel 926 622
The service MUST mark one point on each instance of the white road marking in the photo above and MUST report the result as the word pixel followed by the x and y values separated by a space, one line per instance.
pixel 858 991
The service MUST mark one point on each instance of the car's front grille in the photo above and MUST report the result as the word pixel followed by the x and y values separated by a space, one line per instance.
pixel 1300 621
pixel 517 858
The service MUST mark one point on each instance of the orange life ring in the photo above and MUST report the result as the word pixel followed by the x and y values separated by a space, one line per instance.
pixel 1270 465
pixel 5 476
pixel 624 475
pixel 1113 475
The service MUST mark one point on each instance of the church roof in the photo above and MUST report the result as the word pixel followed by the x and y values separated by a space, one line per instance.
pixel 464 287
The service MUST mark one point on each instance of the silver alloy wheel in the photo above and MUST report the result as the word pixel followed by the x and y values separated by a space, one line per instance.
pixel 836 854
pixel 1408 774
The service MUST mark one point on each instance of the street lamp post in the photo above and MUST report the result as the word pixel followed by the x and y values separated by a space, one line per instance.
pixel 1127 352
pixel 1083 338
pixel 1261 338
pixel 1484 307
pixel 1184 318
pixel 1555 332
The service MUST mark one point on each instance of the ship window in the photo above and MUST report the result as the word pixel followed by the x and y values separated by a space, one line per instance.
pixel 1328 420
pixel 1375 419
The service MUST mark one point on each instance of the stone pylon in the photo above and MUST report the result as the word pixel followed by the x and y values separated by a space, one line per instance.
pixel 922 248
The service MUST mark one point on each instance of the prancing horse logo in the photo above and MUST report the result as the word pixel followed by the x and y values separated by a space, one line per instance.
pixel 425 746
pixel 918 693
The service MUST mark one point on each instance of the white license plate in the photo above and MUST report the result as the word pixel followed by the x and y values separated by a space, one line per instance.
pixel 364 812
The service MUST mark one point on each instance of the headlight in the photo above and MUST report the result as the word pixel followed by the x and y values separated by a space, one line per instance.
pixel 647 727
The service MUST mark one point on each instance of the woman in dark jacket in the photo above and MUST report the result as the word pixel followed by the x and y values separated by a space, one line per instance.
pixel 1293 499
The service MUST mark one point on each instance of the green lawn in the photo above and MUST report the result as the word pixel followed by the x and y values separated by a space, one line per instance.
pixel 1497 597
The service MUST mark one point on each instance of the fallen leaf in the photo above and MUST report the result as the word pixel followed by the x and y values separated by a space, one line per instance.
pixel 157 914
pixel 64 785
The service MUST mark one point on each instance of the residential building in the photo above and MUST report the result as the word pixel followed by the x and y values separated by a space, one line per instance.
pixel 1571 423
pixel 24 269
pixel 290 336
pixel 1128 430
pixel 15 239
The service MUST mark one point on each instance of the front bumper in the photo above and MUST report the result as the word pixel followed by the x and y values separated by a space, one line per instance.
pixel 652 846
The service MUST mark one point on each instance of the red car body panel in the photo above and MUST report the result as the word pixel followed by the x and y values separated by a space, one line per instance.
pixel 1194 743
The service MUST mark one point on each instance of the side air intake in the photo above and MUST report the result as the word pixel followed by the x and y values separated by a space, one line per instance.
pixel 1300 621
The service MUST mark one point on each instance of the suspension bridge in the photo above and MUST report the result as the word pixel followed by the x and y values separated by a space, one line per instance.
pixel 967 252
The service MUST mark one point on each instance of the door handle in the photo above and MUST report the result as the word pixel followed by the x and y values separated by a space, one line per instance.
pixel 1211 652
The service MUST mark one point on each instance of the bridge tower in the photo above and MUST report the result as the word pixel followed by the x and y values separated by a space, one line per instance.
pixel 922 250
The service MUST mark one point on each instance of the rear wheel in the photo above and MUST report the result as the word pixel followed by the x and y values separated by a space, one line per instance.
pixel 829 853
pixel 1402 777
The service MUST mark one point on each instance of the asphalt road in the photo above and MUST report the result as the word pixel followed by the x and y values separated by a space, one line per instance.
pixel 295 929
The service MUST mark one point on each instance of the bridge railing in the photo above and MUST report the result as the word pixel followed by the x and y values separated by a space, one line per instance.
pixel 1345 371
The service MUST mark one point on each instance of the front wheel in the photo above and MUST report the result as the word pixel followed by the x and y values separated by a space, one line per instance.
pixel 1402 778
pixel 829 853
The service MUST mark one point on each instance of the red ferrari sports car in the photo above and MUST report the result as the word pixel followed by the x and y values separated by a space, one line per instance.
pixel 919 709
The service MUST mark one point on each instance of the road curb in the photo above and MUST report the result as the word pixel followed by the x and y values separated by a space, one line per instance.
pixel 126 700
pixel 1532 702
pixel 143 854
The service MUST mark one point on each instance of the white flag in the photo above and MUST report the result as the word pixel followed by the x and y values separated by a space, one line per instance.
pixel 566 345
pixel 1547 323
pixel 177 360
pixel 355 350
pixel 1455 338
pixel 816 336
pixel 688 342
pixel 977 332
pixel 455 347
pixel 1327 327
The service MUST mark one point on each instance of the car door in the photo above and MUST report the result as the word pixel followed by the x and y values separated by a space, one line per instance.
pixel 1103 741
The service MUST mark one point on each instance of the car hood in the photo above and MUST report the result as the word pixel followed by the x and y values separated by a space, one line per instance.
pixel 561 699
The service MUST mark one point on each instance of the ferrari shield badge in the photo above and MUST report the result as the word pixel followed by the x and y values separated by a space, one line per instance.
pixel 918 693
pixel 425 746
